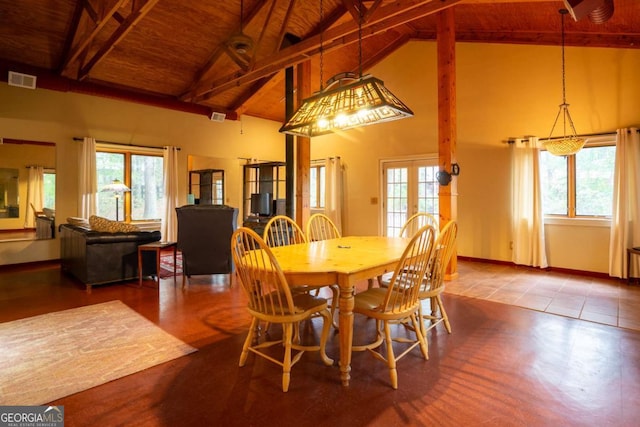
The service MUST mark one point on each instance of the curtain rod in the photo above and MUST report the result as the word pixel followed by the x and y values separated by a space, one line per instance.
pixel 37 166
pixel 586 135
pixel 512 140
pixel 325 158
pixel 75 138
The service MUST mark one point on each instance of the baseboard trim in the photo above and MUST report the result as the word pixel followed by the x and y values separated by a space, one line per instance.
pixel 554 269
pixel 33 265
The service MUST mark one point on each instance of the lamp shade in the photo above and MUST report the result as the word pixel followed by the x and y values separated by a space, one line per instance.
pixel 564 146
pixel 360 102
pixel 116 186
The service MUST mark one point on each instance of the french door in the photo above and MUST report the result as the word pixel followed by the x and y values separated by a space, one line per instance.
pixel 410 186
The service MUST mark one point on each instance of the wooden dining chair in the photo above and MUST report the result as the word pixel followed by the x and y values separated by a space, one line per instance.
pixel 398 303
pixel 281 231
pixel 321 227
pixel 409 228
pixel 433 283
pixel 417 221
pixel 271 301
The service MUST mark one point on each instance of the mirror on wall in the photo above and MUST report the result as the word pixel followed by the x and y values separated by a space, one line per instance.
pixel 9 193
pixel 226 175
pixel 27 190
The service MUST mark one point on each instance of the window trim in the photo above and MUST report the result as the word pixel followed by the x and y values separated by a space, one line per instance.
pixel 319 166
pixel 128 151
pixel 605 140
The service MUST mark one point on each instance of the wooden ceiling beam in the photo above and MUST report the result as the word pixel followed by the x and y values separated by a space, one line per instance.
pixel 189 93
pixel 622 41
pixel 372 60
pixel 262 86
pixel 384 18
pixel 257 90
pixel 99 22
pixel 136 15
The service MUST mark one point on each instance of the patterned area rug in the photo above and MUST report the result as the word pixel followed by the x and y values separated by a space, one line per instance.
pixel 166 264
pixel 44 358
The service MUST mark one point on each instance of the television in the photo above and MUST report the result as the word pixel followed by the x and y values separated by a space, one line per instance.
pixel 261 204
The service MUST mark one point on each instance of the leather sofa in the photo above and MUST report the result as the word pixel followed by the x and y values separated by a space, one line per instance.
pixel 204 238
pixel 97 258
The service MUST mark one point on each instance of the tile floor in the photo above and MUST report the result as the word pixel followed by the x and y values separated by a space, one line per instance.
pixel 596 299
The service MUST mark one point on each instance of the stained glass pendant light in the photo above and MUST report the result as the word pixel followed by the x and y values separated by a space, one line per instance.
pixel 348 101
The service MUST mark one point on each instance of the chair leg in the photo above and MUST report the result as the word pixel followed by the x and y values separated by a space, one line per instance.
pixel 421 319
pixel 443 313
pixel 326 325
pixel 422 339
pixel 248 341
pixel 287 333
pixel 391 358
pixel 334 305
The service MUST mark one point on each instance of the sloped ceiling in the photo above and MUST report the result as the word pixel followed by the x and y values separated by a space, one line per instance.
pixel 188 56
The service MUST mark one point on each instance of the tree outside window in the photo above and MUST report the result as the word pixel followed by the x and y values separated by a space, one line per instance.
pixel 579 185
pixel 142 173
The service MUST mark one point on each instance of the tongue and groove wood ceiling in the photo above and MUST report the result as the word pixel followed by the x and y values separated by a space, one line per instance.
pixel 195 56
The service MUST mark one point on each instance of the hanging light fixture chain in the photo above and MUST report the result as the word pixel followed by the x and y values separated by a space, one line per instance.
pixel 564 91
pixel 569 143
pixel 360 38
pixel 321 49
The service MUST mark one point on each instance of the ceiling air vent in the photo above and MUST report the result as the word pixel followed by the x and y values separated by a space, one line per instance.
pixel 218 117
pixel 21 80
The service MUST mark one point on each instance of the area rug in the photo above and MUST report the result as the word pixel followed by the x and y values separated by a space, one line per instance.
pixel 46 357
pixel 166 265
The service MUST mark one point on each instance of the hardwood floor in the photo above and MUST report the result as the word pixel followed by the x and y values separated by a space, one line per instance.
pixel 503 365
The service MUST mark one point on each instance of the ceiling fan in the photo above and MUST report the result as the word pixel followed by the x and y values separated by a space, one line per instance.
pixel 240 45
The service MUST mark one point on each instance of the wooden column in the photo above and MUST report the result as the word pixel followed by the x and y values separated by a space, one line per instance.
pixel 289 145
pixel 448 195
pixel 303 149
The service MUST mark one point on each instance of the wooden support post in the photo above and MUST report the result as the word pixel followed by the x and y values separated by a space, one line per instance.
pixel 446 47
pixel 303 150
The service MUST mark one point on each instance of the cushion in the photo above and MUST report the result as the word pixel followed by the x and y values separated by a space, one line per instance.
pixel 80 222
pixel 98 223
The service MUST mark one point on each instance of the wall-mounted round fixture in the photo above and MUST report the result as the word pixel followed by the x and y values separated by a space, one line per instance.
pixel 444 177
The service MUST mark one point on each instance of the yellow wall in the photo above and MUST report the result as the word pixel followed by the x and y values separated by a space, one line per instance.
pixel 502 91
pixel 44 115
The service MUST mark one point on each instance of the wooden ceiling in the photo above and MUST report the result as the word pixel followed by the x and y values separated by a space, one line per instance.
pixel 186 55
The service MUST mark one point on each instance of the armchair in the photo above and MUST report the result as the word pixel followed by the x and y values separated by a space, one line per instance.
pixel 204 238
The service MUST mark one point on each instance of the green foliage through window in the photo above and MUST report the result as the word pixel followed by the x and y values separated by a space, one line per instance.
pixel 580 185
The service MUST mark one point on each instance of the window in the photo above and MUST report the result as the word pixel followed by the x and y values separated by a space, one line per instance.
pixel 142 173
pixel 316 187
pixel 49 188
pixel 580 185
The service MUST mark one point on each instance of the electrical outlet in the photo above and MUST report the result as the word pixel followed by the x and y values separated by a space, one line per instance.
pixel 374 200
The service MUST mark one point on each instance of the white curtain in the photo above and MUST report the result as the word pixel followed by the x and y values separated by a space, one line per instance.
pixel 333 191
pixel 526 194
pixel 88 181
pixel 625 229
pixel 35 195
pixel 169 228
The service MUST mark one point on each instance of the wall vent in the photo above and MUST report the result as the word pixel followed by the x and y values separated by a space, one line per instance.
pixel 218 117
pixel 21 80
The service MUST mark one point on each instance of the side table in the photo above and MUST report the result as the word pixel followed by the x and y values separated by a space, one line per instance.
pixel 156 247
pixel 631 251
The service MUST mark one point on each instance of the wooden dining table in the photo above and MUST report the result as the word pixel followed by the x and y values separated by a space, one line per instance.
pixel 343 261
